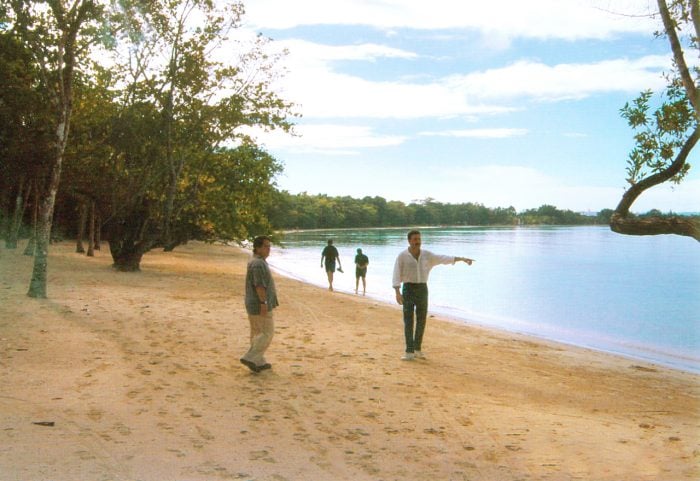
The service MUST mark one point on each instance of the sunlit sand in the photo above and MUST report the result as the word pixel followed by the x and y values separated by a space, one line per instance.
pixel 136 377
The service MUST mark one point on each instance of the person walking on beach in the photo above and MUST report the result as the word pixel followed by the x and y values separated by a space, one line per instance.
pixel 361 263
pixel 410 281
pixel 260 300
pixel 330 254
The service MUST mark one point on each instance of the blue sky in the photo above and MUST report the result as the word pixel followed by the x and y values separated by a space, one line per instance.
pixel 509 103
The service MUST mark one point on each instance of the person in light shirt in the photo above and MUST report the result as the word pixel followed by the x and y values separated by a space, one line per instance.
pixel 410 281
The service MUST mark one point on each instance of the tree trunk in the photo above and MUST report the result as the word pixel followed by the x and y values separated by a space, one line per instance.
pixel 17 216
pixel 684 226
pixel 81 228
pixel 91 230
pixel 98 230
pixel 4 212
pixel 37 285
pixel 129 239
pixel 127 255
pixel 70 23
pixel 31 245
pixel 621 221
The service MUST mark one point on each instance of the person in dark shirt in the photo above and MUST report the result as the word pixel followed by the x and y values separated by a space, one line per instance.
pixel 361 263
pixel 260 300
pixel 330 255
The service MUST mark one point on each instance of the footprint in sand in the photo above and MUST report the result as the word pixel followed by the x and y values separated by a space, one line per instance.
pixel 262 455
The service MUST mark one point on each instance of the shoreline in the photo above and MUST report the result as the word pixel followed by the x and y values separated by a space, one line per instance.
pixel 629 350
pixel 139 373
pixel 442 314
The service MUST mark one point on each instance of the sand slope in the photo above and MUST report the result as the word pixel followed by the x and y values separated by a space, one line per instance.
pixel 140 375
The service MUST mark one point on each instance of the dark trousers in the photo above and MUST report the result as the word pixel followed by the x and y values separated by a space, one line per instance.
pixel 415 300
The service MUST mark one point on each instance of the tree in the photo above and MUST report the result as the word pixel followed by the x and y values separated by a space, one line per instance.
pixel 179 119
pixel 664 139
pixel 24 133
pixel 58 36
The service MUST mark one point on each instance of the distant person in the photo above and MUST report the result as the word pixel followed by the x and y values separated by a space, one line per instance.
pixel 330 255
pixel 361 263
pixel 260 300
pixel 410 281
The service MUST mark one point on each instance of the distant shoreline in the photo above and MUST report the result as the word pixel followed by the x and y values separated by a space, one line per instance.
pixel 628 349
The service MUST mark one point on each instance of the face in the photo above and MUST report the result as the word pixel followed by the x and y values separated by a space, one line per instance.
pixel 264 250
pixel 414 242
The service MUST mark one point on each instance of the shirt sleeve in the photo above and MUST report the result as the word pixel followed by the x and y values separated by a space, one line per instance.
pixel 437 259
pixel 396 279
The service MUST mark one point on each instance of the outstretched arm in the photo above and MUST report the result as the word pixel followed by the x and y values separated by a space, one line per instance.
pixel 466 260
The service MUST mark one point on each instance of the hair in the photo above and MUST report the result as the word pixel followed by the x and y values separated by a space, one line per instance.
pixel 411 233
pixel 259 241
pixel 330 241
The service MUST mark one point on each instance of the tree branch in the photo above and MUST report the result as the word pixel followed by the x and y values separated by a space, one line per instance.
pixel 685 226
pixel 678 58
pixel 636 190
pixel 695 16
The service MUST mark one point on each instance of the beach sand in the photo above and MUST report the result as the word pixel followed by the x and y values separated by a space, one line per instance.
pixel 136 376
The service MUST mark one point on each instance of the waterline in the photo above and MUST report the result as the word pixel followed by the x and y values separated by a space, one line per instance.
pixel 586 286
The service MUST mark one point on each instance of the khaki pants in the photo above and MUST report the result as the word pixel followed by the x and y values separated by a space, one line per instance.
pixel 262 329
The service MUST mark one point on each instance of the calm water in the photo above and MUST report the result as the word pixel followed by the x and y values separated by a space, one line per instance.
pixel 634 296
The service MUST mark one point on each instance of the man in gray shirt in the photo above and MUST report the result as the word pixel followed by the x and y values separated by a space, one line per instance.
pixel 260 300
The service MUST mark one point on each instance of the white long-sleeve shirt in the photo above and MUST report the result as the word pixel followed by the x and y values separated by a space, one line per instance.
pixel 409 269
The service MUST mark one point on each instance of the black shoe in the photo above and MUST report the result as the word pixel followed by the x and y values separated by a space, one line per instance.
pixel 265 366
pixel 250 365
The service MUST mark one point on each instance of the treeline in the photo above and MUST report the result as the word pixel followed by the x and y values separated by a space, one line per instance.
pixel 304 211
pixel 149 150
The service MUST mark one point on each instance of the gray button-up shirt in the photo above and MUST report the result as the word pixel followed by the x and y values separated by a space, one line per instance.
pixel 258 274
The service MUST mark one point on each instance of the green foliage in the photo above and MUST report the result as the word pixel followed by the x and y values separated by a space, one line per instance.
pixel 24 111
pixel 155 138
pixel 304 211
pixel 658 134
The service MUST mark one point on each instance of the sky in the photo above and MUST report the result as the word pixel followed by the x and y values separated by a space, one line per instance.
pixel 509 103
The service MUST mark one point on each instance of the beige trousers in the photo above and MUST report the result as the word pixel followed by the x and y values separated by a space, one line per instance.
pixel 262 329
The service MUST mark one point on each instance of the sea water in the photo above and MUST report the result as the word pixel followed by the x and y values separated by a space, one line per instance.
pixel 587 286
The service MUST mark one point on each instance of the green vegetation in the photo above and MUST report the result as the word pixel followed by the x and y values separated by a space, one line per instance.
pixel 305 211
pixel 129 117
pixel 666 131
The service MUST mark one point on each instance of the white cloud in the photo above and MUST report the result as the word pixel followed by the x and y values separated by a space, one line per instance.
pixel 564 81
pixel 478 133
pixel 365 51
pixel 320 91
pixel 570 19
pixel 327 139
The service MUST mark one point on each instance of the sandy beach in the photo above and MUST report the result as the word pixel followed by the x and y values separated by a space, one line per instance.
pixel 135 376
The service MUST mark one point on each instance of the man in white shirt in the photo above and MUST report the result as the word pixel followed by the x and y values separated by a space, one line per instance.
pixel 410 281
